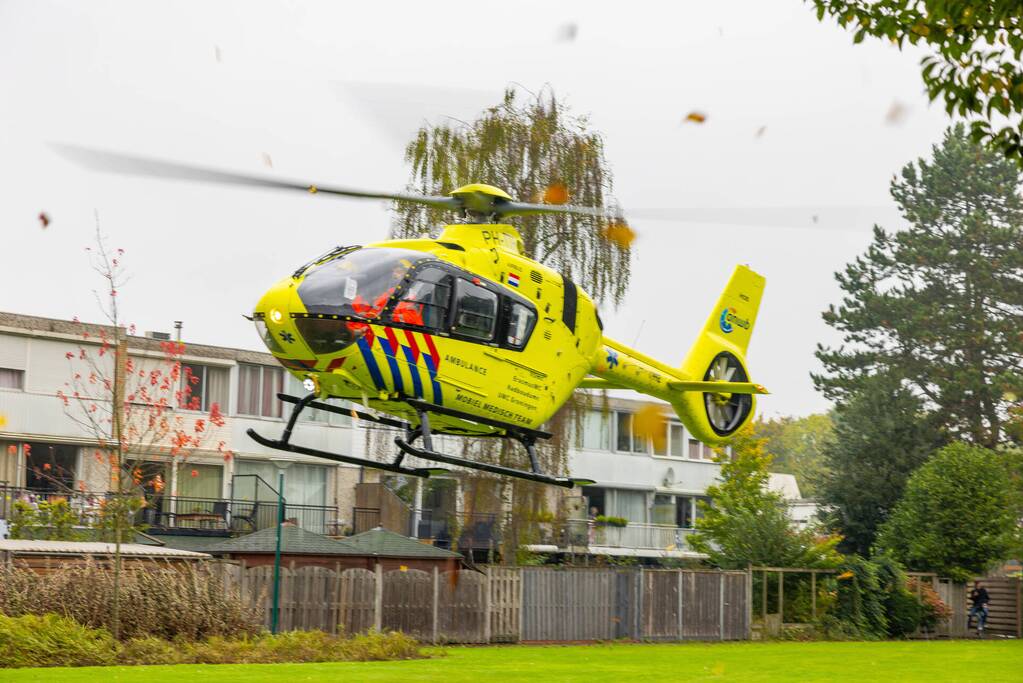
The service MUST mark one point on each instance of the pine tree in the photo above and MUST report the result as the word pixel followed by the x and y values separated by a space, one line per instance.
pixel 881 436
pixel 939 305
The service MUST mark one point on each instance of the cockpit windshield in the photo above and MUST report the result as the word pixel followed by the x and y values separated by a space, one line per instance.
pixel 359 283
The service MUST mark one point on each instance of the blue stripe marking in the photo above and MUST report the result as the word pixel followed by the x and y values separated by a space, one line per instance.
pixel 392 363
pixel 413 370
pixel 433 380
pixel 371 363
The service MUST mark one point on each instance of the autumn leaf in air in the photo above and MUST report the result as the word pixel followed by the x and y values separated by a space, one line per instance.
pixel 556 193
pixel 44 219
pixel 695 117
pixel 620 234
pixel 650 423
pixel 3 421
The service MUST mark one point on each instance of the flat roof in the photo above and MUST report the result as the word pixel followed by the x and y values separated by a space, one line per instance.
pixel 31 547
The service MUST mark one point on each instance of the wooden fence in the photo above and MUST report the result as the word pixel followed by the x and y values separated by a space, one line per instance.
pixel 506 604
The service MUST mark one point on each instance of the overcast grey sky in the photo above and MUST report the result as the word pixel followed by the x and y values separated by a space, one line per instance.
pixel 331 90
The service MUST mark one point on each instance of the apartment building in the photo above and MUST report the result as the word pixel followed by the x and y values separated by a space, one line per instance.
pixel 653 485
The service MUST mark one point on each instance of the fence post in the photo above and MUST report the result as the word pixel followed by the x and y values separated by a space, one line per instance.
pixel 721 606
pixel 781 599
pixel 764 613
pixel 486 608
pixel 680 631
pixel 813 594
pixel 749 602
pixel 378 599
pixel 436 601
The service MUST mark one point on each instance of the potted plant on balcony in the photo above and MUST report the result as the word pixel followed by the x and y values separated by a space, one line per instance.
pixel 601 523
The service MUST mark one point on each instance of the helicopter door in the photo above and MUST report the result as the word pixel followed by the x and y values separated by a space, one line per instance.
pixel 475 311
pixel 426 302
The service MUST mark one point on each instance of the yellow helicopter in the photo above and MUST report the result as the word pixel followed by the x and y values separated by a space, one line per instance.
pixel 466 335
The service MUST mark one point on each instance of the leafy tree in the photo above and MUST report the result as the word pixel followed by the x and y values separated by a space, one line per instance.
pixel 747 524
pixel 536 151
pixel 975 64
pixel 939 305
pixel 880 437
pixel 796 446
pixel 955 517
pixel 126 405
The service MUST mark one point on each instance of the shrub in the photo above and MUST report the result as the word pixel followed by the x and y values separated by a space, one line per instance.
pixel 611 521
pixel 53 640
pixel 187 602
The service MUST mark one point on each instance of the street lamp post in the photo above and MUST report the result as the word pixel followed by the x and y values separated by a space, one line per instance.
pixel 275 614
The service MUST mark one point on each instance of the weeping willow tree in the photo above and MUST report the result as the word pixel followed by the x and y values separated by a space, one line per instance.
pixel 535 150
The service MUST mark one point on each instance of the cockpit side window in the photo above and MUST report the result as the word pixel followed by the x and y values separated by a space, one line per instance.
pixel 475 311
pixel 520 323
pixel 426 301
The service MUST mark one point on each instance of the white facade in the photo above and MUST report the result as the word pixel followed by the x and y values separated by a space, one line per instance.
pixel 654 486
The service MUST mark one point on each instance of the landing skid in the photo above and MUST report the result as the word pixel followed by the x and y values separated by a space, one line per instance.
pixel 526 437
pixel 284 443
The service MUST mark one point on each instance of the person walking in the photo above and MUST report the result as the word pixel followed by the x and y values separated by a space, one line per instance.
pixel 978 607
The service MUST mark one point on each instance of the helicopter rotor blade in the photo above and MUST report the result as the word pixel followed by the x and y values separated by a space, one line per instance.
pixel 524 209
pixel 125 164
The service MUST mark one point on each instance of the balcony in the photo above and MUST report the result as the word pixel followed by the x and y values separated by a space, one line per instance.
pixel 183 514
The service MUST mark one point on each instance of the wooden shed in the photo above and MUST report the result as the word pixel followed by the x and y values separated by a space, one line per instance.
pixel 43 556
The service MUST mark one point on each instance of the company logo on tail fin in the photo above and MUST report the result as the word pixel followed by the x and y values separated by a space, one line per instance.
pixel 730 317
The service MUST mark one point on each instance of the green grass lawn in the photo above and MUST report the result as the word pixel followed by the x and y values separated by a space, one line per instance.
pixel 987 661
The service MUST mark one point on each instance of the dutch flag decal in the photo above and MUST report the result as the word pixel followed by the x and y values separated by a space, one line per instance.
pixel 513 279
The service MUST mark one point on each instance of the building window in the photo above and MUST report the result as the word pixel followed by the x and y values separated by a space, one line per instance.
pixel 303 484
pixel 202 386
pixel 678 439
pixel 596 431
pixel 12 379
pixel 258 386
pixel 700 451
pixel 685 511
pixel 664 511
pixel 198 481
pixel 626 440
pixel 50 467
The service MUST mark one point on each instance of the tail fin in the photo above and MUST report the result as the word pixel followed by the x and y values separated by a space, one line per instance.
pixel 719 353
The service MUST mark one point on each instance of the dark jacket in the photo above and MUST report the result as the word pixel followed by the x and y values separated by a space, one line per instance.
pixel 978 596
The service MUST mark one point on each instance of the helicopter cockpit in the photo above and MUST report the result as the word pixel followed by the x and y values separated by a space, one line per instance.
pixel 403 288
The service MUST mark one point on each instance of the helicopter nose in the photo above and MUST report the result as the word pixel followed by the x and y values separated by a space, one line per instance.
pixel 273 319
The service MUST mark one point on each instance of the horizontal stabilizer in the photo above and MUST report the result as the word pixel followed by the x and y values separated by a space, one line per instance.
pixel 713 387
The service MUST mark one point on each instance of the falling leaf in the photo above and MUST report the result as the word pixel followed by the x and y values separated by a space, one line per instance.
pixel 815 218
pixel 695 117
pixel 620 234
pixel 44 219
pixel 650 423
pixel 896 114
pixel 195 473
pixel 3 420
pixel 760 132
pixel 267 161
pixel 556 193
pixel 403 568
pixel 568 32
pixel 845 575
pixel 216 52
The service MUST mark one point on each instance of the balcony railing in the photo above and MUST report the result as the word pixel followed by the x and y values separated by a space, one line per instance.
pixel 168 513
pixel 633 535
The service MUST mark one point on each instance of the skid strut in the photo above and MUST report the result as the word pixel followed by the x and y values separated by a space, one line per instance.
pixel 526 437
pixel 284 443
